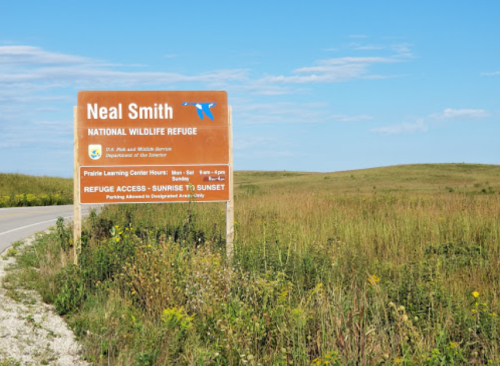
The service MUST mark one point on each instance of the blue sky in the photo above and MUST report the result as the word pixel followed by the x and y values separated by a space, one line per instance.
pixel 315 86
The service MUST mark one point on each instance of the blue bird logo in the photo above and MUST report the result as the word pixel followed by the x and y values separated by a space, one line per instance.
pixel 203 108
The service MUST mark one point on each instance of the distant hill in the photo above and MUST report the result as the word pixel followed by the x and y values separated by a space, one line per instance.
pixel 466 178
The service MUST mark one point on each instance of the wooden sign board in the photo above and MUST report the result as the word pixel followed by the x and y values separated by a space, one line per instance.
pixel 134 146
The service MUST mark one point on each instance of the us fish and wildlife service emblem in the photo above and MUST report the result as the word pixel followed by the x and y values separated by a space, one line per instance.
pixel 95 152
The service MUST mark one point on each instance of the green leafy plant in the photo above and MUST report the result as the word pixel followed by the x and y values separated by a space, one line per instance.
pixel 70 290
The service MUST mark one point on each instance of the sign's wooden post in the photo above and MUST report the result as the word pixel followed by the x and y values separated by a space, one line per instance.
pixel 77 212
pixel 230 203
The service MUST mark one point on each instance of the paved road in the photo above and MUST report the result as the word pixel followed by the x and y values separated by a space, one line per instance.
pixel 21 222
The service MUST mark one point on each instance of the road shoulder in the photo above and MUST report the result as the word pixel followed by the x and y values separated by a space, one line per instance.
pixel 31 333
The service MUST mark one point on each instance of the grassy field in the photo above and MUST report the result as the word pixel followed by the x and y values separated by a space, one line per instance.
pixel 385 266
pixel 25 190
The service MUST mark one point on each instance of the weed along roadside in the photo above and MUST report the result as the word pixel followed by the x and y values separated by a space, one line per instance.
pixel 370 267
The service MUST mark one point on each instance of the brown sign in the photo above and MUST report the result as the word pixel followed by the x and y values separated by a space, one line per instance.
pixel 152 128
pixel 145 130
pixel 157 183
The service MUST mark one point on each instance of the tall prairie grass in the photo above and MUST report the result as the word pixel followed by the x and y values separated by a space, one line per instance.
pixel 18 190
pixel 393 266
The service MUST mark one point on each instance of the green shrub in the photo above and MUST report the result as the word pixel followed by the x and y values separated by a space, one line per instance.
pixel 70 290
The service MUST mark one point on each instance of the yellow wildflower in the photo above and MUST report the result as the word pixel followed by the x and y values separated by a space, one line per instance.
pixel 475 294
pixel 373 279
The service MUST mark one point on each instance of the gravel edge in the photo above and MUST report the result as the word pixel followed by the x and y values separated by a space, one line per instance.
pixel 31 332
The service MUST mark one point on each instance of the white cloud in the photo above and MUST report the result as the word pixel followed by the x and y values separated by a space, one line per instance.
pixel 61 125
pixel 450 113
pixel 9 143
pixel 494 73
pixel 403 128
pixel 91 74
pixel 24 99
pixel 421 125
pixel 261 88
pixel 280 113
pixel 333 70
pixel 30 55
pixel 364 47
pixel 27 64
pixel 290 113
pixel 346 118
pixel 402 50
pixel 32 68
